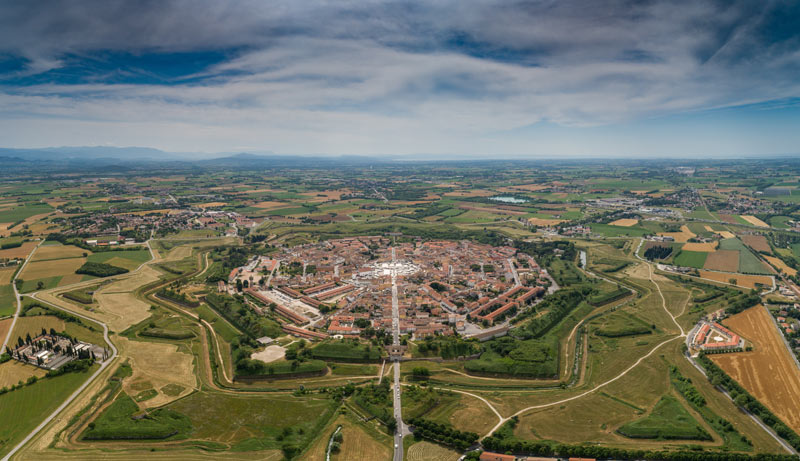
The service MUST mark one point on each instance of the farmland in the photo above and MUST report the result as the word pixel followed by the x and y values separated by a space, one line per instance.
pixel 748 262
pixel 694 259
pixel 597 376
pixel 30 404
pixel 757 242
pixel 768 372
pixel 722 260
pixel 742 280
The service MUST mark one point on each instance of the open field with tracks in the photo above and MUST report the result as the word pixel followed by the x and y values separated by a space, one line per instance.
pixel 742 280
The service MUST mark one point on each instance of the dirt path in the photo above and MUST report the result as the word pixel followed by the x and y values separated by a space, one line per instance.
pixel 624 372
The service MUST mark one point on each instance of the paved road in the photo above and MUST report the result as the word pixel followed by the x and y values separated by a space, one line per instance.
pixel 17 297
pixel 514 272
pixel 398 411
pixel 78 391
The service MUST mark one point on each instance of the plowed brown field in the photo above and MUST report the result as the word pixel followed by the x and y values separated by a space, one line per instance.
pixel 758 242
pixel 723 260
pixel 768 372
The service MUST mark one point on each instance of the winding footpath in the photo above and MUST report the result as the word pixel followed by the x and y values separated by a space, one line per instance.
pixel 601 385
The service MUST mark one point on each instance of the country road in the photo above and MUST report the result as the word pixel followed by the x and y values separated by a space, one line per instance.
pixel 79 390
pixel 17 297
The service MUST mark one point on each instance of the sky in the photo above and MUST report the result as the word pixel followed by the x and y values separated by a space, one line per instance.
pixel 430 79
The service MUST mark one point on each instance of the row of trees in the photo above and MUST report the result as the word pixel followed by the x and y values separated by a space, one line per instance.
pixel 442 433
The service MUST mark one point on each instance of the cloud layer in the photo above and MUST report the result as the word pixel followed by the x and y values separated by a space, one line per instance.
pixel 445 77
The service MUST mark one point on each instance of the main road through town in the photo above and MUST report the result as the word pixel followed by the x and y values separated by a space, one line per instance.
pixel 398 411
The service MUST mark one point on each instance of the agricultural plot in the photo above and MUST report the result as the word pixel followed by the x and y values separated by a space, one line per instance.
pixel 7 301
pixel 13 372
pixel 778 264
pixel 702 247
pixel 617 231
pixel 694 259
pixel 768 372
pixel 752 220
pixel 681 237
pixel 757 242
pixel 748 262
pixel 722 260
pixel 130 259
pixel 29 405
pixel 52 273
pixel 20 213
pixel 625 222
pixel 20 252
pixel 51 252
pixel 742 280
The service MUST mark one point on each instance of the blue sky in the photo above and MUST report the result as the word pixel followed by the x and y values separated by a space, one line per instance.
pixel 438 78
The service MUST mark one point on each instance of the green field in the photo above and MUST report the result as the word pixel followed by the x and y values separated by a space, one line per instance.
pixel 694 259
pixel 621 323
pixel 701 213
pixel 346 350
pixel 7 301
pixel 779 222
pixel 796 250
pixel 19 213
pixel 618 231
pixel 28 406
pixel 117 422
pixel 748 262
pixel 254 422
pixel 668 421
pixel 128 259
pixel 349 369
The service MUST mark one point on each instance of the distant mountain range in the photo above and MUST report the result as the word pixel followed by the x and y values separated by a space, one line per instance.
pixel 111 158
pixel 99 159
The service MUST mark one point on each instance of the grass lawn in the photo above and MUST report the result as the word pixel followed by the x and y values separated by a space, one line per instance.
pixel 28 406
pixel 346 350
pixel 117 423
pixel 219 324
pixel 694 259
pixel 254 422
pixel 349 369
pixel 668 421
